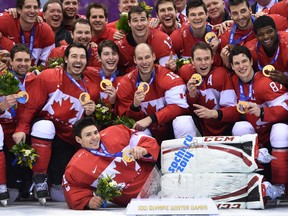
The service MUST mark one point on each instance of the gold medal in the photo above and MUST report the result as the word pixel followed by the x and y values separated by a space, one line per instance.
pixel 144 86
pixel 84 97
pixel 241 107
pixel 127 156
pixel 267 69
pixel 198 79
pixel 23 97
pixel 104 83
pixel 209 37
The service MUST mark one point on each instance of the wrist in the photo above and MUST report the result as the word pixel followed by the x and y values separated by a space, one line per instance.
pixel 261 113
pixel 135 108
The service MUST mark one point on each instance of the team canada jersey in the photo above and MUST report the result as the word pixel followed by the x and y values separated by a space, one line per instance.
pixel 82 172
pixel 55 97
pixel 259 55
pixel 272 96
pixel 216 92
pixel 107 34
pixel 44 39
pixel 248 34
pixel 166 98
pixel 7 119
pixel 58 52
pixel 159 41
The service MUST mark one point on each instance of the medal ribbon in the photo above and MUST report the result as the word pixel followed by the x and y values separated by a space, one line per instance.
pixel 233 31
pixel 105 153
pixel 31 42
pixel 113 76
pixel 76 83
pixel 138 81
pixel 20 85
pixel 208 29
pixel 242 94
pixel 260 67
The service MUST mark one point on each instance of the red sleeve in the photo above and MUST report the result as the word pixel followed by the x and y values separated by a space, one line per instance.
pixel 186 71
pixel 6 44
pixel 280 8
pixel 280 21
pixel 177 41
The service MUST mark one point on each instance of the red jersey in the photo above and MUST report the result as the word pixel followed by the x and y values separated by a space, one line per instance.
pixel 81 175
pixel 159 41
pixel 44 39
pixel 6 44
pixel 216 92
pixel 166 98
pixel 272 96
pixel 112 24
pixel 248 34
pixel 8 121
pixel 260 58
pixel 55 97
pixel 93 60
pixel 280 8
pixel 106 34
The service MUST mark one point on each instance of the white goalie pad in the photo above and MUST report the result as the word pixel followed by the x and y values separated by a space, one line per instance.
pixel 209 154
pixel 228 190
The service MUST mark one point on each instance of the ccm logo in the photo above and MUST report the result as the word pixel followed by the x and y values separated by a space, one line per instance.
pixel 218 138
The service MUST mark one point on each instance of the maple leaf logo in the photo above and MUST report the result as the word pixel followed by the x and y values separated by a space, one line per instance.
pixel 150 109
pixel 119 177
pixel 63 111
pixel 208 102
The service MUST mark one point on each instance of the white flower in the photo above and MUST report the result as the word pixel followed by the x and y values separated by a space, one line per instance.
pixel 112 184
pixel 27 153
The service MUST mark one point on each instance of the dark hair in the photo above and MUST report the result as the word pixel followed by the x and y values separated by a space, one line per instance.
pixel 263 21
pixel 67 52
pixel 81 21
pixel 20 3
pixel 107 43
pixel 81 124
pixel 162 2
pixel 194 4
pixel 137 9
pixel 63 1
pixel 237 2
pixel 19 48
pixel 45 7
pixel 97 6
pixel 239 49
pixel 203 46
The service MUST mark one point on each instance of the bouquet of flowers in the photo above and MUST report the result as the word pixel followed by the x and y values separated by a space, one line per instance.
pixel 146 7
pixel 8 83
pixel 122 23
pixel 53 63
pixel 181 62
pixel 107 189
pixel 104 117
pixel 25 154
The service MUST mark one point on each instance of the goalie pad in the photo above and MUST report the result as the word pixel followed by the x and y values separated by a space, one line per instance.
pixel 228 190
pixel 209 154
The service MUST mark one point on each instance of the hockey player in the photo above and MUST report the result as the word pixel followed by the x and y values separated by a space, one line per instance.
pixel 101 154
pixel 156 106
pixel 39 37
pixel 270 47
pixel 212 98
pixel 265 112
pixel 9 115
pixel 141 33
pixel 60 97
pixel 81 33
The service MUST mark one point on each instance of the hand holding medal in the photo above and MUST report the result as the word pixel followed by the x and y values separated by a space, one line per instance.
pixel 127 156
pixel 267 69
pixel 104 83
pixel 242 107
pixel 209 37
pixel 144 86
pixel 23 97
pixel 197 78
pixel 84 97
